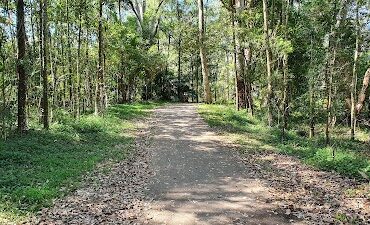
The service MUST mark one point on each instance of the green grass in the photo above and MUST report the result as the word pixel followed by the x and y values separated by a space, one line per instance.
pixel 351 157
pixel 43 165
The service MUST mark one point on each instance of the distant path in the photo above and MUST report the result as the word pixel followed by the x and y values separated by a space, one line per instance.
pixel 198 179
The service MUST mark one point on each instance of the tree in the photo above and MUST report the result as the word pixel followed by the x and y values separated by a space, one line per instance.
pixel 44 30
pixel 74 63
pixel 22 75
pixel 331 52
pixel 268 62
pixel 203 54
pixel 99 95
pixel 354 76
pixel 362 95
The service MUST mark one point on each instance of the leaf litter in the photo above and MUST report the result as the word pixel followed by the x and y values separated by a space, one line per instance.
pixel 113 197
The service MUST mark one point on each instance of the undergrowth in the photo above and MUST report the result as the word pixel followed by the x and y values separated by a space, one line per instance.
pixel 43 165
pixel 351 158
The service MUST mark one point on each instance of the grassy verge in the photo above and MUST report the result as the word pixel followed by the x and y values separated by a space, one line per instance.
pixel 43 165
pixel 351 158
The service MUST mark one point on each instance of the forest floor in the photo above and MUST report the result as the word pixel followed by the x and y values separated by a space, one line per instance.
pixel 303 177
pixel 184 172
pixel 42 166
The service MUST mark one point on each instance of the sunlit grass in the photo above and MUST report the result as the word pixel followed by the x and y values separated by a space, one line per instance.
pixel 43 165
pixel 350 157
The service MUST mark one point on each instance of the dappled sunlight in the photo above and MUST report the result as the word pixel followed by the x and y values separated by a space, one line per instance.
pixel 44 165
pixel 312 193
pixel 220 201
pixel 198 180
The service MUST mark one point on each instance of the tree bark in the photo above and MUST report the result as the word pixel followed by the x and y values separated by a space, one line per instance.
pixel 235 60
pixel 241 85
pixel 268 63
pixel 203 54
pixel 285 75
pixel 362 95
pixel 330 62
pixel 69 57
pixel 179 51
pixel 22 76
pixel 3 87
pixel 99 101
pixel 354 78
pixel 44 62
pixel 78 75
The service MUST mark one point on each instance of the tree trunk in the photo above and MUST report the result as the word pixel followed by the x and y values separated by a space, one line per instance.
pixel 44 61
pixel 197 79
pixel 78 75
pixel 329 72
pixel 312 111
pixel 285 76
pixel 192 78
pixel 354 79
pixel 268 63
pixel 240 73
pixel 22 76
pixel 362 95
pixel 203 55
pixel 179 89
pixel 235 61
pixel 179 51
pixel 69 57
pixel 99 102
pixel 3 88
pixel 54 78
pixel 329 88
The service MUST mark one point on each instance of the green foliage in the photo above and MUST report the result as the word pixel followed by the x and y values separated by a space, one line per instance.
pixel 350 158
pixel 43 165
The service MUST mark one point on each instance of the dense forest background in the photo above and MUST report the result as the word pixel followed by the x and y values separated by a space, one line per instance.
pixel 288 62
pixel 277 76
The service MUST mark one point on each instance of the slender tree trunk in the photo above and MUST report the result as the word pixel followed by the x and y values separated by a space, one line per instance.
pixel 197 79
pixel 235 62
pixel 44 61
pixel 329 72
pixel 192 78
pixel 89 76
pixel 179 50
pixel 105 94
pixel 227 74
pixel 268 63
pixel 3 87
pixel 285 76
pixel 99 101
pixel 312 97
pixel 240 66
pixel 69 57
pixel 22 76
pixel 39 97
pixel 312 111
pixel 329 105
pixel 78 75
pixel 203 55
pixel 248 79
pixel 62 65
pixel 354 79
pixel 54 78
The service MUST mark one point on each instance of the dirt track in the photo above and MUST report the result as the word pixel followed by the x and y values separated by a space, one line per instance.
pixel 198 178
